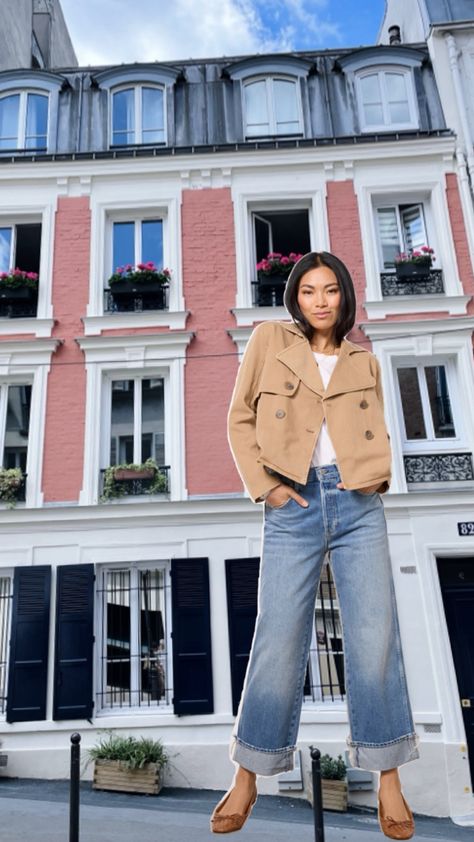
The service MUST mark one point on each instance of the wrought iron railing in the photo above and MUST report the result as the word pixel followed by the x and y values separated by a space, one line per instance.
pixel 267 295
pixel 430 284
pixel 136 301
pixel 325 674
pixel 15 307
pixel 438 467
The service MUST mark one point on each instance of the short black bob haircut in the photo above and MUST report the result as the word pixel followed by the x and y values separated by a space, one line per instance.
pixel 347 313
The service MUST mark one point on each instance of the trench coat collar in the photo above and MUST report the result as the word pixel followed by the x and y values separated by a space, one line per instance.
pixel 346 375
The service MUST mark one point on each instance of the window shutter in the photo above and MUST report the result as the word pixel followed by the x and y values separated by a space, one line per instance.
pixel 191 636
pixel 242 606
pixel 28 672
pixel 74 642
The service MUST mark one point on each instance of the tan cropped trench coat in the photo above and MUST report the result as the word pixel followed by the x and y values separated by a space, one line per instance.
pixel 279 403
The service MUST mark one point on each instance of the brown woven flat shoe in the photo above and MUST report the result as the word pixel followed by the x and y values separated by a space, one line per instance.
pixel 396 829
pixel 227 823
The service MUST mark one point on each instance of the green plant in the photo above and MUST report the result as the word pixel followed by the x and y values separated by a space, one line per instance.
pixel 132 753
pixel 11 480
pixel 422 257
pixel 333 769
pixel 142 273
pixel 118 488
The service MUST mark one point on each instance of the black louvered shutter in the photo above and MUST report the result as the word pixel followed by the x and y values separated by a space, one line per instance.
pixel 242 606
pixel 28 670
pixel 191 636
pixel 74 642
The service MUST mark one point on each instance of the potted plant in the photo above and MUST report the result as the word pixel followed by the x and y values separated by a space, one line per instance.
pixel 144 279
pixel 116 478
pixel 414 263
pixel 128 764
pixel 17 284
pixel 275 267
pixel 11 482
pixel 333 783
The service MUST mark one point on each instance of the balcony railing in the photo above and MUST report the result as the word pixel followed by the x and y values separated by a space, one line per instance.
pixel 267 295
pixel 439 467
pixel 136 300
pixel 18 302
pixel 430 284
pixel 135 486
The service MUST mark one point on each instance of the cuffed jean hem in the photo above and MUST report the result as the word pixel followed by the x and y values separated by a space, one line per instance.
pixel 262 761
pixel 385 755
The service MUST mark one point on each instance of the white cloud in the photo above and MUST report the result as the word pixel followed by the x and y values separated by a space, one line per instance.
pixel 115 31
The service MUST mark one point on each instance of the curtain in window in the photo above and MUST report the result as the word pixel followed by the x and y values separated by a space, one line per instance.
pixel 36 135
pixel 153 129
pixel 9 107
pixel 397 97
pixel 372 99
pixel 286 107
pixel 388 234
pixel 256 108
pixel 123 120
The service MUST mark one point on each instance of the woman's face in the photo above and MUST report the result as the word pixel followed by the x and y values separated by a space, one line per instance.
pixel 319 293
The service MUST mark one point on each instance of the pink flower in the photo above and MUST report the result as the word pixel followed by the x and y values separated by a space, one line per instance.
pixel 167 272
pixel 150 264
pixel 119 270
pixel 128 267
pixel 285 261
pixel 141 266
pixel 273 254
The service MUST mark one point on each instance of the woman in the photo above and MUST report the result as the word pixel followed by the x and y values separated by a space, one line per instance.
pixel 307 431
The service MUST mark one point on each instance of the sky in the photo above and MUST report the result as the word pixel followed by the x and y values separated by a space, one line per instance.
pixel 115 31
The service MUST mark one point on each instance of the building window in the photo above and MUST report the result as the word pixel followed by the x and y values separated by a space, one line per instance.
pixel 426 404
pixel 325 674
pixel 137 421
pixel 24 121
pixel 272 106
pixel 386 99
pixel 135 638
pixel 6 595
pixel 138 116
pixel 400 228
pixel 15 404
pixel 284 231
pixel 137 241
pixel 20 247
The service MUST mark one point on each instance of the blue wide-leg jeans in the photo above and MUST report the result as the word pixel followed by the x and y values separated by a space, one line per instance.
pixel 350 526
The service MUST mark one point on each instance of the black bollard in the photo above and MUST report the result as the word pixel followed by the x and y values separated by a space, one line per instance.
pixel 317 794
pixel 74 788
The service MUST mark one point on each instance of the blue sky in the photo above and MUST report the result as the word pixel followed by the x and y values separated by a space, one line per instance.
pixel 114 31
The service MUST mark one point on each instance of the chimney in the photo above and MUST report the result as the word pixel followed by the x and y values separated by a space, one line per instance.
pixel 394 35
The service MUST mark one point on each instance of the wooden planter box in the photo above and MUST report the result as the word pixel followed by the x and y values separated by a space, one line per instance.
pixel 129 473
pixel 334 795
pixel 113 775
pixel 405 271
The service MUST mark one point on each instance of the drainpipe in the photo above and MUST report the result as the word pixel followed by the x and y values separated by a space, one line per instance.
pixel 464 156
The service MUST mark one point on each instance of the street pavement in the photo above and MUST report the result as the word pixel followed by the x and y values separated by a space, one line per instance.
pixel 38 811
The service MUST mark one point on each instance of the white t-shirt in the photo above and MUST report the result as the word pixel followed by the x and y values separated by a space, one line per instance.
pixel 324 452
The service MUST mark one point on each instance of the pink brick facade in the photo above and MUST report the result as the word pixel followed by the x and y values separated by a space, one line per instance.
pixel 63 455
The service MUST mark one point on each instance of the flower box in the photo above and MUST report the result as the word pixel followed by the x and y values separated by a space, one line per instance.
pixel 130 473
pixel 11 293
pixel 128 286
pixel 407 270
pixel 115 776
pixel 272 278
pixel 334 795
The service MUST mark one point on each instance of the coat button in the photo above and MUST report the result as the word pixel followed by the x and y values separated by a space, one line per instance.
pixel 363 404
pixel 289 385
pixel 280 413
pixel 369 434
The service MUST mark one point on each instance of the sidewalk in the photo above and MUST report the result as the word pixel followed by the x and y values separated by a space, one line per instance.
pixel 38 811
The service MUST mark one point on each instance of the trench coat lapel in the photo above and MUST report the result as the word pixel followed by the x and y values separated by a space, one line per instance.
pixel 346 376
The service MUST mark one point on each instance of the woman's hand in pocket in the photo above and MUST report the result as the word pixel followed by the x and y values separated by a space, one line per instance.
pixel 281 494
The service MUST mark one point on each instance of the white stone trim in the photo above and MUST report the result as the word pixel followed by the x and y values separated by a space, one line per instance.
pixel 30 361
pixel 141 354
pixel 373 189
pixel 149 200
pixel 451 338
pixel 289 195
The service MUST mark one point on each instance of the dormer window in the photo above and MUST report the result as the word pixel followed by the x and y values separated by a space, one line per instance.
pixel 386 99
pixel 24 120
pixel 272 106
pixel 138 115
